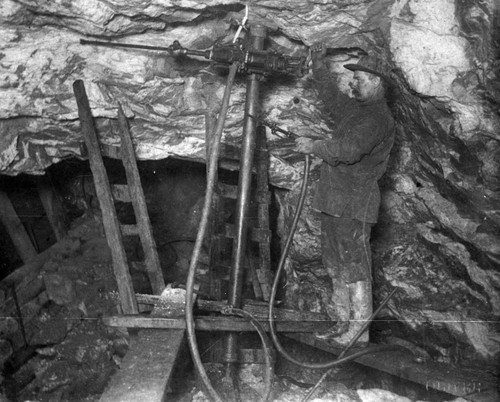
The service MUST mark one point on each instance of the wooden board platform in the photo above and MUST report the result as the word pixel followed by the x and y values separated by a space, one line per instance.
pixel 147 367
pixel 228 324
pixel 475 386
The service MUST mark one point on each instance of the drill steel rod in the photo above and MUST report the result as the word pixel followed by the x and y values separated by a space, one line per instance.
pixel 124 45
pixel 170 49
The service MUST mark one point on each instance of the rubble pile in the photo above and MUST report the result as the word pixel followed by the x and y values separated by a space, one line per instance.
pixel 55 346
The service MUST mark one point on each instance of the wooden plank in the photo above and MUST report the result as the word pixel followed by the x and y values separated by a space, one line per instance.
pixel 129 230
pixel 264 273
pixel 153 267
pixel 110 151
pixel 216 247
pixel 15 229
pixel 258 310
pixel 256 234
pixel 215 217
pixel 257 289
pixel 53 207
pixel 230 154
pixel 103 191
pixel 146 368
pixel 227 324
pixel 228 190
pixel 403 363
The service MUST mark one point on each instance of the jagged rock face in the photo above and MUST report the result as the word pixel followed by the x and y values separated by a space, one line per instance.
pixel 438 238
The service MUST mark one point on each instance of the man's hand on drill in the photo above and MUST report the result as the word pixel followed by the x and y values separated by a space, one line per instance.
pixel 304 145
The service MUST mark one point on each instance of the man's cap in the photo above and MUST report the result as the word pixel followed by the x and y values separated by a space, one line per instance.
pixel 371 64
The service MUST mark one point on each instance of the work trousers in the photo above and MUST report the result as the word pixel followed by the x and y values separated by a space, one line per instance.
pixel 346 249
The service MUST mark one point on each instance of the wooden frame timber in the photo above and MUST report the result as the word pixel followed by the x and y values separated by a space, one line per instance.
pixel 106 202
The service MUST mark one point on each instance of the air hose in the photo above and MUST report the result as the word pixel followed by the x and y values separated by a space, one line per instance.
pixel 211 181
pixel 211 178
pixel 266 343
pixel 279 347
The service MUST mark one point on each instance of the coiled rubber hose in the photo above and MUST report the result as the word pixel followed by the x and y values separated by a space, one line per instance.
pixel 281 264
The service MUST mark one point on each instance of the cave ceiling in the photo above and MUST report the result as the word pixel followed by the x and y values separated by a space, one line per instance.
pixel 440 201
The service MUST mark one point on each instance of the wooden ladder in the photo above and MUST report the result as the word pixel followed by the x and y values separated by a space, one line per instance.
pixel 131 192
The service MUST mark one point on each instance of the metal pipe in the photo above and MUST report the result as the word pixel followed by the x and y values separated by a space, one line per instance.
pixel 257 36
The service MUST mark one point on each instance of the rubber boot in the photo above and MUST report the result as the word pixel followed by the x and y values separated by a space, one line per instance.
pixel 360 294
pixel 338 310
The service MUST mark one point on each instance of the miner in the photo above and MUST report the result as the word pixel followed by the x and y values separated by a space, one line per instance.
pixel 354 158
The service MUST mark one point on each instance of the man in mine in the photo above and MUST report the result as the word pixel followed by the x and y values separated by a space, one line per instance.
pixel 355 157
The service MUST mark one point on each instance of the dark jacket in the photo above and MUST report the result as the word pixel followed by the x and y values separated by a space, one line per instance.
pixel 355 156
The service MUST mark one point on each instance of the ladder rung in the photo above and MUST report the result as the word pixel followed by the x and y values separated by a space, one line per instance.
pixel 256 234
pixel 111 151
pixel 228 190
pixel 121 192
pixel 129 230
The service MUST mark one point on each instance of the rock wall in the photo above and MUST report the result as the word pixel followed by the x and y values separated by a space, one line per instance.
pixel 438 238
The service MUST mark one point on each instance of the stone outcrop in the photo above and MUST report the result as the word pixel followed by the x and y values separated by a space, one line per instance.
pixel 438 238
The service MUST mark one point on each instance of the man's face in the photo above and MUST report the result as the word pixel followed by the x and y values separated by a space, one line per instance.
pixel 365 85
